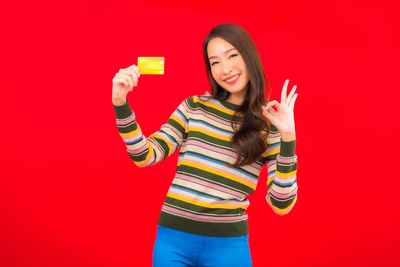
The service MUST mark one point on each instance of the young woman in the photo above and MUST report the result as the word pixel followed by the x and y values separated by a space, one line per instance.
pixel 224 138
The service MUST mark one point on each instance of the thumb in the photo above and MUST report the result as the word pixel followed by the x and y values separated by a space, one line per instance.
pixel 268 114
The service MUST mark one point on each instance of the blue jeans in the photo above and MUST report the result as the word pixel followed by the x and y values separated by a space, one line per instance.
pixel 174 248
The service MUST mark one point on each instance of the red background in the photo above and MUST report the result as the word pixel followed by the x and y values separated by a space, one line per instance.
pixel 69 195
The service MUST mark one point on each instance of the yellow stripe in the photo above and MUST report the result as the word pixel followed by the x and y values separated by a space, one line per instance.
pixel 218 136
pixel 286 174
pixel 213 171
pixel 281 175
pixel 141 163
pixel 202 204
pixel 269 152
pixel 150 153
pixel 178 120
pixel 130 134
pixel 214 106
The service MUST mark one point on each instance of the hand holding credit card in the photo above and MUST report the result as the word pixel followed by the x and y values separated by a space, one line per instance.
pixel 151 65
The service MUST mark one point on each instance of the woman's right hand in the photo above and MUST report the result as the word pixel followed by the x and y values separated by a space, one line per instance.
pixel 123 83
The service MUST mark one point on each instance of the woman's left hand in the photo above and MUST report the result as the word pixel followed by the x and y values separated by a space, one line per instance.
pixel 283 118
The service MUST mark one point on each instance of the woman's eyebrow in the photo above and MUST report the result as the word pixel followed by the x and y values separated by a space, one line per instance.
pixel 227 51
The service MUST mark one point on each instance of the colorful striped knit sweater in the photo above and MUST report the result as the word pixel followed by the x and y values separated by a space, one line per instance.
pixel 207 196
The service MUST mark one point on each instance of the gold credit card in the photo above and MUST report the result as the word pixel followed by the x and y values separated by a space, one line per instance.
pixel 151 65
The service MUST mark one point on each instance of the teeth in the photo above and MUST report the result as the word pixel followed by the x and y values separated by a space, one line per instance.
pixel 233 78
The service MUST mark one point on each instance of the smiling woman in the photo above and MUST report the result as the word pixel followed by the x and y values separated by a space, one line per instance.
pixel 225 138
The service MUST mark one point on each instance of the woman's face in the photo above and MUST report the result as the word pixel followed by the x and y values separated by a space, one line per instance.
pixel 227 66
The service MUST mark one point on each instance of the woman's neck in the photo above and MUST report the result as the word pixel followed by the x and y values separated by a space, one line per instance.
pixel 237 98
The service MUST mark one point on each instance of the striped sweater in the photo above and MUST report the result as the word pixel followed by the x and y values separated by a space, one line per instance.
pixel 207 196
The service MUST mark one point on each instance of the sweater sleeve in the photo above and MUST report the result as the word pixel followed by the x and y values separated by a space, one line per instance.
pixel 145 151
pixel 282 169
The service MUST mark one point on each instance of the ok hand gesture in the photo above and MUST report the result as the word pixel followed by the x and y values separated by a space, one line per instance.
pixel 283 117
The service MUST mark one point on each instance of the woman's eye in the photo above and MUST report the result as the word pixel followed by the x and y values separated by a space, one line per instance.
pixel 216 62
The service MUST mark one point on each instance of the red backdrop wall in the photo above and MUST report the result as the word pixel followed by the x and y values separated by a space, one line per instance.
pixel 69 195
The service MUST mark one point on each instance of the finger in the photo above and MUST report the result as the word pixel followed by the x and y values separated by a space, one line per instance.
pixel 272 104
pixel 130 80
pixel 291 104
pixel 130 75
pixel 119 75
pixel 268 111
pixel 121 80
pixel 284 91
pixel 265 111
pixel 133 74
pixel 126 82
pixel 269 115
pixel 135 68
pixel 289 98
pixel 135 83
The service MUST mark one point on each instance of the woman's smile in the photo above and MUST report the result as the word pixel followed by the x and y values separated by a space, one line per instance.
pixel 231 80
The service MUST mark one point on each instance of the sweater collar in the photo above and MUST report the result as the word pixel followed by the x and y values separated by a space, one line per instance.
pixel 226 103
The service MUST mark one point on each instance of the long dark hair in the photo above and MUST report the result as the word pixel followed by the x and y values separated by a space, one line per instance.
pixel 249 141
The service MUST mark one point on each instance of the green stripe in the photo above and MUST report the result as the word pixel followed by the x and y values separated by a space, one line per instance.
pixel 285 168
pixel 162 143
pixel 288 148
pixel 140 157
pixel 204 136
pixel 203 228
pixel 176 125
pixel 123 111
pixel 129 128
pixel 282 204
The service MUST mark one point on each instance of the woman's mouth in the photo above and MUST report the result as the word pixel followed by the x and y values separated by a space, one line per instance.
pixel 232 79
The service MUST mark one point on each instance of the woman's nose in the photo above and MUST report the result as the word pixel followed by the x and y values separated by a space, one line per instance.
pixel 226 67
